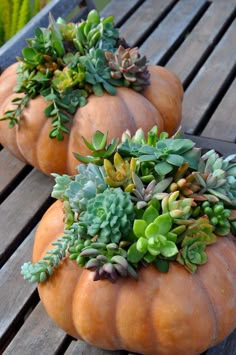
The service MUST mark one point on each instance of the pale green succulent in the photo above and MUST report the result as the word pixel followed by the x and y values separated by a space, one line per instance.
pixel 148 200
pixel 108 216
pixel 85 186
pixel 217 176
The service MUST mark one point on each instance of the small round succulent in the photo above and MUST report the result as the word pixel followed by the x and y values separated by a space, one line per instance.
pixel 144 201
pixel 109 216
pixel 67 62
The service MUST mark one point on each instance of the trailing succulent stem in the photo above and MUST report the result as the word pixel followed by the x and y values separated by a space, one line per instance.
pixel 153 200
pixel 67 62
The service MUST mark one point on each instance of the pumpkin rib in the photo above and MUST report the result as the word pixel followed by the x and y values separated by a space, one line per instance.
pixel 51 153
pixel 8 135
pixel 134 309
pixel 29 132
pixel 9 83
pixel 217 298
pixel 133 111
pixel 84 123
pixel 103 108
pixel 54 292
pixel 146 316
pixel 225 325
pixel 131 104
pixel 55 286
pixel 169 105
pixel 212 309
pixel 96 302
pixel 178 300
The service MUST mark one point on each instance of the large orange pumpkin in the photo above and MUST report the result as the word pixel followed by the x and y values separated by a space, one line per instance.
pixel 172 313
pixel 160 104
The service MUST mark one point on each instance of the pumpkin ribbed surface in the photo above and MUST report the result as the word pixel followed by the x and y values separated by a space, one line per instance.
pixel 160 105
pixel 170 313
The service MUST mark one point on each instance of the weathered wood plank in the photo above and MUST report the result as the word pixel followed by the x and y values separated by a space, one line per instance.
pixel 223 122
pixel 201 40
pixel 222 147
pixel 10 168
pixel 116 8
pixel 143 19
pixel 171 29
pixel 204 91
pixel 21 206
pixel 82 348
pixel 38 335
pixel 14 291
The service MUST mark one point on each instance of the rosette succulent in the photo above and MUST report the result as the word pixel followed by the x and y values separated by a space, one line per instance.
pixel 153 200
pixel 67 62
pixel 108 216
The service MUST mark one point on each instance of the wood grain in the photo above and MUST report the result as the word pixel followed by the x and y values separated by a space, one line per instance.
pixel 197 45
pixel 223 122
pixel 21 208
pixel 172 28
pixel 209 81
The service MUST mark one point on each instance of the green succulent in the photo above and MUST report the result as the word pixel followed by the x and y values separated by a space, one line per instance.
pixel 162 156
pixel 155 237
pixel 141 195
pixel 217 176
pixel 177 208
pixel 65 63
pixel 87 183
pixel 193 246
pixel 219 216
pixel 126 64
pixel 108 216
pixel 120 172
pixel 145 200
pixel 99 148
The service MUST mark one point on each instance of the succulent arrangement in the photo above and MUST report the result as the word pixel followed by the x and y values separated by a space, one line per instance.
pixel 143 200
pixel 67 62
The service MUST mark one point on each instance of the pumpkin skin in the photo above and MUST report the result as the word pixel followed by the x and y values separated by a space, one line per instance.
pixel 170 313
pixel 160 104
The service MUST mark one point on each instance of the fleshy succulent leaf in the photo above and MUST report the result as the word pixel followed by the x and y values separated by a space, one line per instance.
pixel 123 213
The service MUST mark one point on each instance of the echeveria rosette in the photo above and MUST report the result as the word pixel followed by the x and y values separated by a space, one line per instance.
pixel 146 200
pixel 108 216
pixel 67 62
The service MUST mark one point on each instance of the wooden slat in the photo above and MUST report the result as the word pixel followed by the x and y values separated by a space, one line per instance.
pixel 223 122
pixel 201 40
pixel 82 348
pixel 38 335
pixel 14 291
pixel 21 206
pixel 222 147
pixel 205 89
pixel 10 167
pixel 116 8
pixel 171 29
pixel 143 19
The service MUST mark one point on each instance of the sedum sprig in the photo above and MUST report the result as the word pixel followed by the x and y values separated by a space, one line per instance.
pixel 146 200
pixel 67 62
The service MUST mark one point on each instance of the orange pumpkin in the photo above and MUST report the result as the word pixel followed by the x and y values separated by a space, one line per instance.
pixel 160 104
pixel 161 313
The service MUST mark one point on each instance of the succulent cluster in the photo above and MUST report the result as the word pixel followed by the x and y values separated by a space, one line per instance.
pixel 67 62
pixel 144 200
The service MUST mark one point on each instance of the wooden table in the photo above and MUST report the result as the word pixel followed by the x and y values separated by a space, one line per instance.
pixel 194 38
